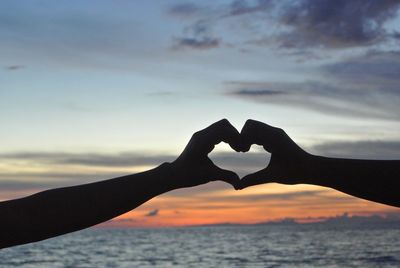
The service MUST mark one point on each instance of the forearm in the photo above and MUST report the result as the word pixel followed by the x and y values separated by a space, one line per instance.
pixel 375 180
pixel 59 211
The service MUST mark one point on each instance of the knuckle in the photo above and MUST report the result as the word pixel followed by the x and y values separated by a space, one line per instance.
pixel 197 135
pixel 224 121
pixel 280 132
pixel 249 122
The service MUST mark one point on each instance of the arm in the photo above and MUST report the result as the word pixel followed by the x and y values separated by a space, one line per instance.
pixel 375 180
pixel 58 211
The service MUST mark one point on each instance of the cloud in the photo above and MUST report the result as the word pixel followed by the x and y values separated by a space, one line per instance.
pixel 258 92
pixel 59 169
pixel 161 93
pixel 366 85
pixel 152 213
pixel 23 182
pixel 379 150
pixel 375 69
pixel 287 196
pixel 197 36
pixel 302 25
pixel 122 222
pixel 51 177
pixel 184 10
pixel 242 164
pixel 324 23
pixel 11 185
pixel 336 24
pixel 127 159
pixel 17 184
pixel 232 160
pixel 315 198
pixel 197 43
pixel 322 97
pixel 240 7
pixel 14 67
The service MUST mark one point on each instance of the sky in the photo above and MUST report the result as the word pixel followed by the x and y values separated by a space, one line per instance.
pixel 91 90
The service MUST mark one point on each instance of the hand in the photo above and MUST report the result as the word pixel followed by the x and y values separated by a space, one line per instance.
pixel 193 167
pixel 287 163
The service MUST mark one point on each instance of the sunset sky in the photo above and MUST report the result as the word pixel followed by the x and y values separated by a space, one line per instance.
pixel 91 90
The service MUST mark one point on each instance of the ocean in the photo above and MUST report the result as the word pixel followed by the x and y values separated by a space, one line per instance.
pixel 290 245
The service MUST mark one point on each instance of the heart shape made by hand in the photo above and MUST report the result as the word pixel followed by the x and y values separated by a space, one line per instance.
pixel 240 163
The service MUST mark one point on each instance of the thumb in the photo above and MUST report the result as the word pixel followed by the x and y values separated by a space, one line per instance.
pixel 255 178
pixel 227 176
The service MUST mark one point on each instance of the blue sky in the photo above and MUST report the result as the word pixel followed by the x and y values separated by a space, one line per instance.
pixel 109 80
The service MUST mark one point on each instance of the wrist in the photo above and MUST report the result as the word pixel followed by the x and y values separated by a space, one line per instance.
pixel 313 165
pixel 165 177
pixel 172 176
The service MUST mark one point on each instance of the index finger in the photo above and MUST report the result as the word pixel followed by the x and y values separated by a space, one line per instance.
pixel 255 132
pixel 217 132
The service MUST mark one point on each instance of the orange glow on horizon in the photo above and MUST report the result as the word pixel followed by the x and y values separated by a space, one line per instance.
pixel 303 203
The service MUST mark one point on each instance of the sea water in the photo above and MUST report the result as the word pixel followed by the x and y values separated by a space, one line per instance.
pixel 218 246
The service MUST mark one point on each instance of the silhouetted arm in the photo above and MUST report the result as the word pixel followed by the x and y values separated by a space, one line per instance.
pixel 375 180
pixel 63 210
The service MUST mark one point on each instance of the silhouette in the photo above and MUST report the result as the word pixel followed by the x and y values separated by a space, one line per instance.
pixel 375 180
pixel 59 211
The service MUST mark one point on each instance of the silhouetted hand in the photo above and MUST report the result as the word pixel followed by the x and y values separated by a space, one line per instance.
pixel 62 210
pixel 194 167
pixel 287 158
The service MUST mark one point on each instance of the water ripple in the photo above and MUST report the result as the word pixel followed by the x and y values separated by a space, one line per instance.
pixel 244 246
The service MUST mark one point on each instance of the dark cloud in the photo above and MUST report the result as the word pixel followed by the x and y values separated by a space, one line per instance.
pixel 241 7
pixel 14 67
pixel 321 97
pixel 296 199
pixel 196 43
pixel 197 36
pixel 124 220
pixel 305 24
pixel 271 196
pixel 233 160
pixel 258 92
pixel 365 85
pixel 161 93
pixel 336 24
pixel 90 159
pixel 184 10
pixel 11 185
pixel 375 69
pixel 152 213
pixel 323 23
pixel 379 150
pixel 241 163
pixel 118 222
pixel 35 182
pixel 59 178
pixel 61 172
pixel 17 184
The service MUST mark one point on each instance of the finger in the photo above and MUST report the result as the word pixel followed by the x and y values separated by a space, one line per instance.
pixel 227 176
pixel 250 134
pixel 255 132
pixel 259 177
pixel 220 131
